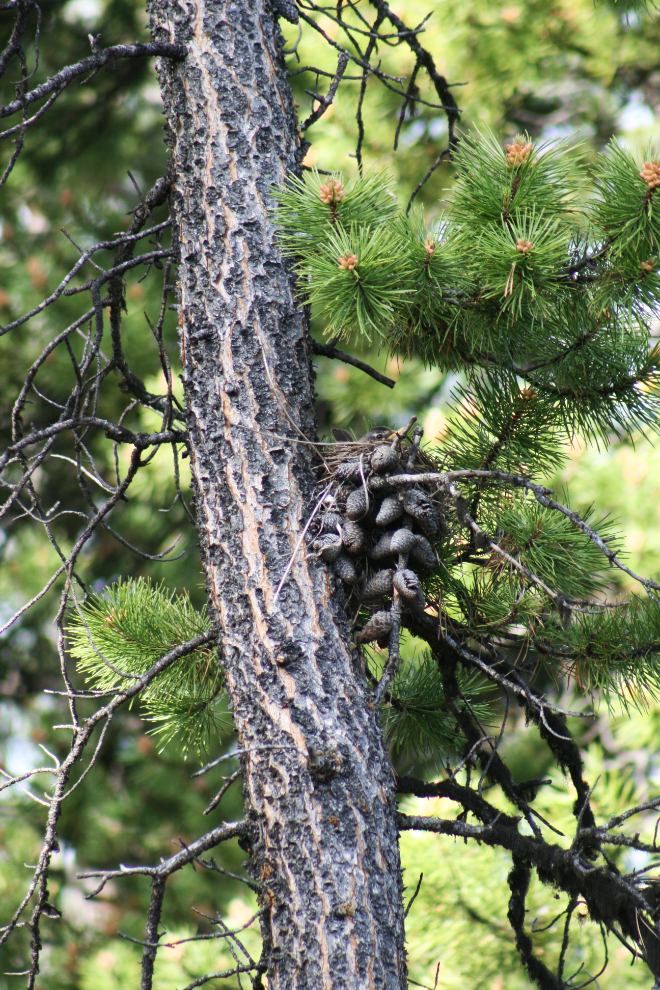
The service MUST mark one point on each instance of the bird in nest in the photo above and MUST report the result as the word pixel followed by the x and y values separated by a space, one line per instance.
pixel 346 450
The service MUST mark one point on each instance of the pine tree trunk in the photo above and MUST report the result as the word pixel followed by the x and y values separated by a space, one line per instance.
pixel 321 796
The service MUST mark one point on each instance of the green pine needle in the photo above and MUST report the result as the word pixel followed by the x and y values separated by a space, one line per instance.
pixel 303 219
pixel 495 425
pixel 417 720
pixel 613 653
pixel 554 549
pixel 626 214
pixel 361 297
pixel 518 280
pixel 539 286
pixel 131 625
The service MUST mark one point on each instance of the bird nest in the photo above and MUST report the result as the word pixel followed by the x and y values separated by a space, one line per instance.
pixel 378 524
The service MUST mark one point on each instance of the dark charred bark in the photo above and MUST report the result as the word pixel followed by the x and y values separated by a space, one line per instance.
pixel 319 788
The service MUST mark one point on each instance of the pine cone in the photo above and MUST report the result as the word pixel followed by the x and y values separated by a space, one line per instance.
pixel 420 507
pixel 345 569
pixel 351 470
pixel 357 505
pixel 518 152
pixel 378 625
pixel 328 546
pixel 347 261
pixel 407 584
pixel 422 553
pixel 383 548
pixel 390 509
pixel 651 174
pixel 385 460
pixel 419 604
pixel 377 586
pixel 331 192
pixel 330 522
pixel 353 536
pixel 403 541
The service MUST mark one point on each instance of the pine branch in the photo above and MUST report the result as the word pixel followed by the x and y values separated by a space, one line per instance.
pixel 107 57
pixel 118 635
pixel 611 898
pixel 330 351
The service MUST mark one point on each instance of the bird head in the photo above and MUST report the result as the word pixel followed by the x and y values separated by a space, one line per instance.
pixel 377 433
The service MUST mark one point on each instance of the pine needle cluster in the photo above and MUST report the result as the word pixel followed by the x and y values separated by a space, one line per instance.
pixel 120 633
pixel 417 721
pixel 538 285
pixel 539 271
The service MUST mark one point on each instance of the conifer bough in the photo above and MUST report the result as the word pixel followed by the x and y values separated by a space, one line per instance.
pixel 543 298
pixel 542 301
pixel 546 310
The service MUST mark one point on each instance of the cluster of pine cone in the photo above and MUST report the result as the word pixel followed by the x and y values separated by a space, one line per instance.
pixel 377 534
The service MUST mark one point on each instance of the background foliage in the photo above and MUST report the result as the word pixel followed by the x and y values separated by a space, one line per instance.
pixel 557 69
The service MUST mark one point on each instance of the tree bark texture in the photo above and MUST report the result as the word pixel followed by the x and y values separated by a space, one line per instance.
pixel 318 784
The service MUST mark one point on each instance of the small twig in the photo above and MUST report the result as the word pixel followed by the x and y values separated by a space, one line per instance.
pixel 412 899
pixel 330 351
pixel 221 793
pixel 325 101
pixel 423 985
pixel 572 904
pixel 299 543
pixel 244 752
pixel 108 55
pixel 220 975
pixel 425 179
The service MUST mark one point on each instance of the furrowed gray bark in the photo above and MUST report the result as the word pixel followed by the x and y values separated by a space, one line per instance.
pixel 318 785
